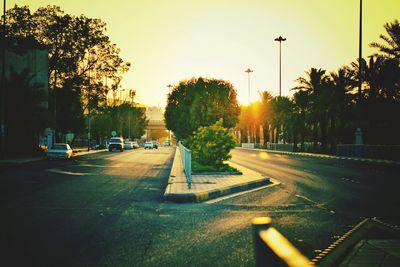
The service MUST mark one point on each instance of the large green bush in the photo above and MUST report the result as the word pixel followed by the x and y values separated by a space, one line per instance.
pixel 211 145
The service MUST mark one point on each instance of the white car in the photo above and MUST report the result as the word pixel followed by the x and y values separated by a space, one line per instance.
pixel 135 144
pixel 128 145
pixel 59 151
pixel 150 145
pixel 116 143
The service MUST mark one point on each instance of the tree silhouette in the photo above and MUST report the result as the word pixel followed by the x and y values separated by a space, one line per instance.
pixel 391 46
pixel 26 112
pixel 201 102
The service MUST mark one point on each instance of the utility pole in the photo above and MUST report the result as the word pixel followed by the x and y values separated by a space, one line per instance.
pixel 280 39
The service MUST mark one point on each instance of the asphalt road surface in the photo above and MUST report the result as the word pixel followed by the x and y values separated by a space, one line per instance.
pixel 106 209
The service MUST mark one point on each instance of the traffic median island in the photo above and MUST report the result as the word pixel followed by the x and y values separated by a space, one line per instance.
pixel 210 186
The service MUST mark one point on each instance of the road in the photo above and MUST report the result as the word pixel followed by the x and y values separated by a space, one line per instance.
pixel 106 209
pixel 320 199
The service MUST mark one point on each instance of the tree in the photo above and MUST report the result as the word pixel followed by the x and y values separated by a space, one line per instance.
pixel 391 48
pixel 81 56
pixel 210 145
pixel 124 119
pixel 201 102
pixel 317 87
pixel 26 112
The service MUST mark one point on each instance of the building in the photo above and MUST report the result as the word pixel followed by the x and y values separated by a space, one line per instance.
pixel 18 55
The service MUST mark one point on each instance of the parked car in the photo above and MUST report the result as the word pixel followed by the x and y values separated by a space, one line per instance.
pixel 150 145
pixel 59 151
pixel 135 144
pixel 116 143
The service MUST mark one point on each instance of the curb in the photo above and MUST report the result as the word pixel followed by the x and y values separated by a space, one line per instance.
pixel 215 193
pixel 15 162
pixel 206 195
pixel 304 154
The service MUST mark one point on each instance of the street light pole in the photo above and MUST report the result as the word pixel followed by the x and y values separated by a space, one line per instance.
pixel 3 88
pixel 248 89
pixel 280 39
pixel 360 54
pixel 169 131
pixel 131 95
pixel 248 83
pixel 89 88
pixel 358 133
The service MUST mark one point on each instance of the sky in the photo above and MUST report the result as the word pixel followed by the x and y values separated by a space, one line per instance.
pixel 167 41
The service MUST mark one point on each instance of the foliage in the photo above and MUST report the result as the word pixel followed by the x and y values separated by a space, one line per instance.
pixel 81 58
pixel 391 48
pixel 326 108
pixel 210 145
pixel 26 112
pixel 158 134
pixel 124 119
pixel 201 102
pixel 200 168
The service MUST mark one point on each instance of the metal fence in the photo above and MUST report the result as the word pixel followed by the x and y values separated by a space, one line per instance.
pixel 186 156
pixel 369 151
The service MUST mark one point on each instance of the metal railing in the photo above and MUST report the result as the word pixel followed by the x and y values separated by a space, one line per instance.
pixel 273 249
pixel 186 156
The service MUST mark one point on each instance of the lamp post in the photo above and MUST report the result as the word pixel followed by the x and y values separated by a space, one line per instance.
pixel 360 54
pixel 358 133
pixel 131 95
pixel 169 131
pixel 248 84
pixel 3 88
pixel 280 39
pixel 248 71
pixel 89 89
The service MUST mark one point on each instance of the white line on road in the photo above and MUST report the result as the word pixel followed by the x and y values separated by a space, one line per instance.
pixel 273 181
pixel 66 172
pixel 319 205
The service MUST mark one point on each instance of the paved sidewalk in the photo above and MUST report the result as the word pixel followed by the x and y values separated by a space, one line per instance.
pixel 322 156
pixel 205 187
pixel 370 243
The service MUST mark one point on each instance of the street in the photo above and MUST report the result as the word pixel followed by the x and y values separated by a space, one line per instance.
pixel 106 209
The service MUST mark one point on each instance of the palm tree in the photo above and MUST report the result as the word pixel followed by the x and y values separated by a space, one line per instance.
pixel 282 118
pixel 315 84
pixel 301 101
pixel 391 48
pixel 267 113
pixel 340 104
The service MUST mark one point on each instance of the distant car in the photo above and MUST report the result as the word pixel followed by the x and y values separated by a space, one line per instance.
pixel 156 144
pixel 116 143
pixel 150 145
pixel 128 145
pixel 135 144
pixel 59 151
pixel 166 143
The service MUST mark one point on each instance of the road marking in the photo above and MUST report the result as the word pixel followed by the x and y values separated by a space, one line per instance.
pixel 273 181
pixel 67 172
pixel 318 205
pixel 306 198
pixel 153 188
